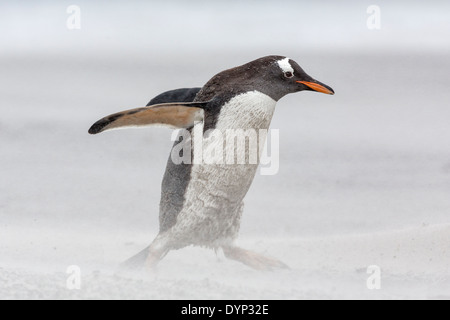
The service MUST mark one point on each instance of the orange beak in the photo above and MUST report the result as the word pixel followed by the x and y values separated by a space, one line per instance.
pixel 316 87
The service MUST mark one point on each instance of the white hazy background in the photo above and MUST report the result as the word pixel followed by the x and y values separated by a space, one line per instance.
pixel 364 175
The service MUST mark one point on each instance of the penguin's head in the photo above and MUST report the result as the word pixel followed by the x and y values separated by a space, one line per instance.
pixel 275 76
pixel 285 76
pixel 298 80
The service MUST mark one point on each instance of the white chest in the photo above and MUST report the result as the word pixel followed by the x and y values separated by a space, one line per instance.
pixel 213 198
pixel 221 179
pixel 251 110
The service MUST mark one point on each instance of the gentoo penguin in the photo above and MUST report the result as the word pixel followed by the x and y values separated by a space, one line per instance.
pixel 202 203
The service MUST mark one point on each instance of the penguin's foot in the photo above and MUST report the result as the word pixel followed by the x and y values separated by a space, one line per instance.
pixel 152 260
pixel 252 259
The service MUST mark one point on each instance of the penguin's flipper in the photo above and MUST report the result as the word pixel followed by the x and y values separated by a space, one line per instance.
pixel 175 115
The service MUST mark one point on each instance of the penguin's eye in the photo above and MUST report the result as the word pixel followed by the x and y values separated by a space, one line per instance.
pixel 288 74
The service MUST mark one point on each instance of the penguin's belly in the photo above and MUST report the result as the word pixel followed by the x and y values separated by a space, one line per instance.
pixel 212 206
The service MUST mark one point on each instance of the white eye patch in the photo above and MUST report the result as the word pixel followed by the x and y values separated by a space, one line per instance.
pixel 285 66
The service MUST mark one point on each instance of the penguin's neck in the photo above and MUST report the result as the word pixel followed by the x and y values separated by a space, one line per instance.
pixel 250 110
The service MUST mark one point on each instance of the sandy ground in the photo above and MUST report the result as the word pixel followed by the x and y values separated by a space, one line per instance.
pixel 414 265
pixel 364 175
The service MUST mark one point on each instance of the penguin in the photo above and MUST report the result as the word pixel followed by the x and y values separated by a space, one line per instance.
pixel 202 203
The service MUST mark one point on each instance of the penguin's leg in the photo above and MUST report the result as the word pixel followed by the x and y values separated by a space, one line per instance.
pixel 252 259
pixel 149 257
pixel 136 262
pixel 157 250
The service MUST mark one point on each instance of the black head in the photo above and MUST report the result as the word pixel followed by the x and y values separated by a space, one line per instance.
pixel 275 76
pixel 285 76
